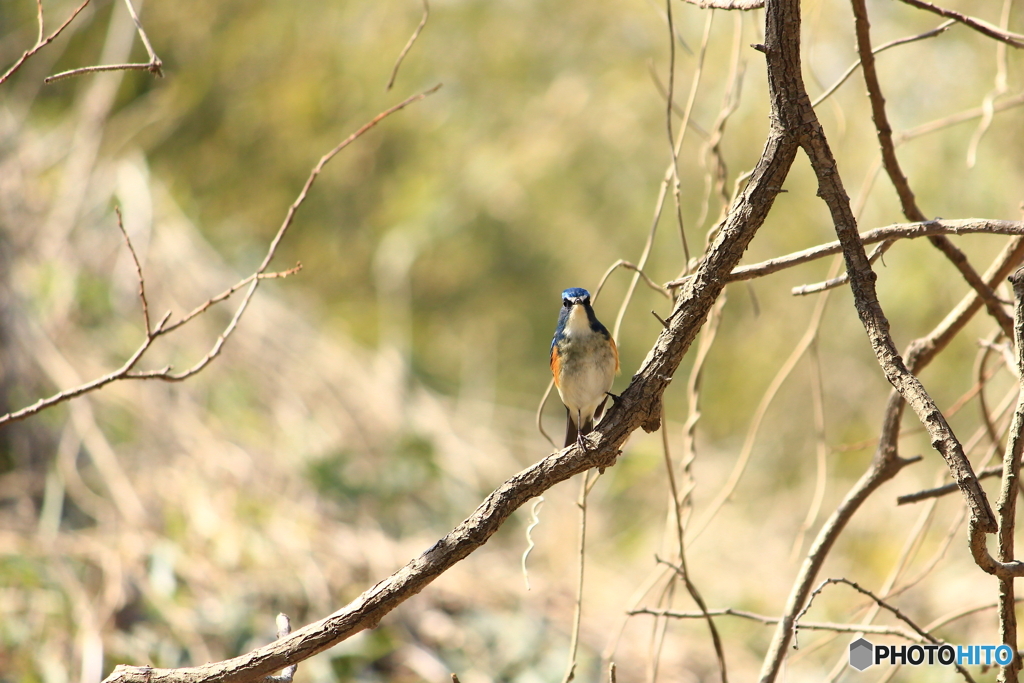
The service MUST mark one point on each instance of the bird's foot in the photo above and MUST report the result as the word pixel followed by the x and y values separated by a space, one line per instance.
pixel 581 443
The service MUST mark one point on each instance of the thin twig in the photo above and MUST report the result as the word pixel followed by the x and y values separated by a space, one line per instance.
pixel 716 639
pixel 126 371
pixel 808 625
pixel 408 45
pixel 945 489
pixel 621 263
pixel 884 605
pixel 983 27
pixel 896 231
pixel 577 612
pixel 676 185
pixel 154 65
pixel 138 271
pixel 530 544
pixel 749 441
pixel 663 191
pixel 681 571
pixel 40 41
pixel 842 279
pixel 997 91
pixel 743 5
pixel 941 28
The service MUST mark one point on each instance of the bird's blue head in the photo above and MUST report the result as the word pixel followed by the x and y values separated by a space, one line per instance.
pixel 575 295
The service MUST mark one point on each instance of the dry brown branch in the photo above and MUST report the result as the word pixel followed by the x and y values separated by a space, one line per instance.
pixel 899 179
pixel 716 172
pixel 941 28
pixel 154 65
pixel 808 625
pixel 1000 89
pixel 840 280
pixel 1006 506
pixel 959 117
pixel 983 27
pixel 884 605
pixel 945 489
pixel 728 4
pixel 897 231
pixel 783 52
pixel 886 462
pixel 127 370
pixel 408 45
pixel 792 125
pixel 138 271
pixel 1006 567
pixel 41 42
pixel 750 439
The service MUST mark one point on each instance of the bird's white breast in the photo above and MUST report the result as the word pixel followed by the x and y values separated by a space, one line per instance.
pixel 587 365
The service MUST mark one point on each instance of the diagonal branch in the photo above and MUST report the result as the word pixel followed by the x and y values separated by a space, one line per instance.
pixel 983 27
pixel 42 42
pixel 896 175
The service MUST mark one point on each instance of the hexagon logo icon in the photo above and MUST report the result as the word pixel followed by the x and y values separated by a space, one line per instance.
pixel 861 654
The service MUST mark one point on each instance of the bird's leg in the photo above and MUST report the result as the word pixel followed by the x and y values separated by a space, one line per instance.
pixel 580 443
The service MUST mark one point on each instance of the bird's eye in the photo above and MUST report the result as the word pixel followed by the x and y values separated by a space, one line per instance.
pixel 567 303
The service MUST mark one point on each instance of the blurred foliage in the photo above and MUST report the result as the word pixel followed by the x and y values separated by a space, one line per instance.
pixel 366 404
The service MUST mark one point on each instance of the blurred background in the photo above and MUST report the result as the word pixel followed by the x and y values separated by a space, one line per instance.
pixel 366 405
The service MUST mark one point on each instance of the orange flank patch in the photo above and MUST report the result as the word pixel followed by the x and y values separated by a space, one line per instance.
pixel 615 350
pixel 555 363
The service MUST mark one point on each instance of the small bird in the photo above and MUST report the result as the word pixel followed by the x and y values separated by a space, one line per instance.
pixel 584 361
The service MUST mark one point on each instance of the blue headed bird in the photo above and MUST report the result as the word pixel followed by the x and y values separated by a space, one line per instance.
pixel 584 362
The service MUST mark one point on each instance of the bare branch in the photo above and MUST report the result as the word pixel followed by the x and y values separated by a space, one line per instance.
pixel 40 41
pixel 884 605
pixel 408 45
pixel 153 66
pixel 138 270
pixel 896 231
pixel 941 28
pixel 97 69
pixel 983 27
pixel 127 371
pixel 808 625
pixel 743 5
pixel 945 489
pixel 1006 506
